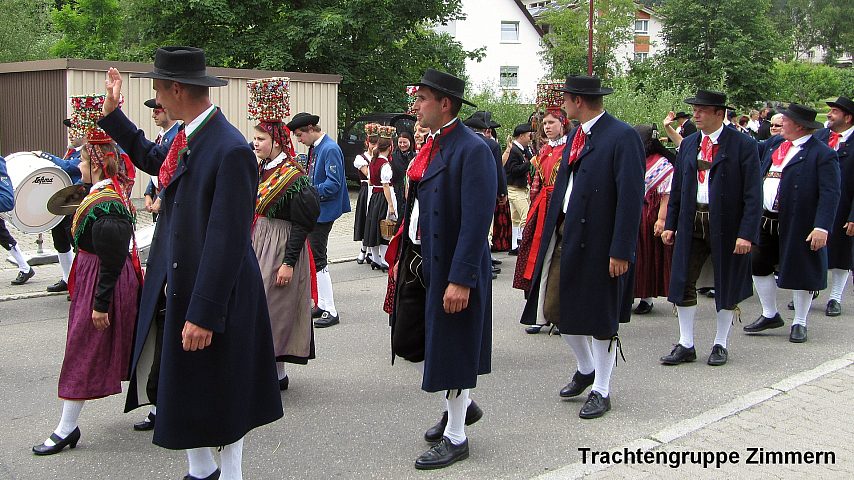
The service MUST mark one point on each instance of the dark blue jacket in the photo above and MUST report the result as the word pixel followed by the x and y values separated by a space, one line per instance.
pixel 201 250
pixel 456 200
pixel 735 210
pixel 68 164
pixel 602 221
pixel 839 244
pixel 809 194
pixel 7 195
pixel 327 174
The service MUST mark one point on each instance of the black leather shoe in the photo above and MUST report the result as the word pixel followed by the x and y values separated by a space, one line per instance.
pixel 643 308
pixel 496 261
pixel 23 277
pixel 59 286
pixel 496 270
pixel 834 309
pixel 790 305
pixel 764 323
pixel 718 356
pixel 214 476
pixel 316 312
pixel 435 433
pixel 595 406
pixel 71 441
pixel 145 425
pixel 798 334
pixel 443 454
pixel 513 252
pixel 283 383
pixel 326 320
pixel 678 355
pixel 577 385
pixel 534 329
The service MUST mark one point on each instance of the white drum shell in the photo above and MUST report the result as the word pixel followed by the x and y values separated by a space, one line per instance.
pixel 35 180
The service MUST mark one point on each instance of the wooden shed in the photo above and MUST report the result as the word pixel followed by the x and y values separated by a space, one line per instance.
pixel 34 100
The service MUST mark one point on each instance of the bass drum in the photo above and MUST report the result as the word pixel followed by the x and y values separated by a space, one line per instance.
pixel 35 180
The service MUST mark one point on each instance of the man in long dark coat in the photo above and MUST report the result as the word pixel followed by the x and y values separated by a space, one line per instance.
pixel 840 260
pixel 589 240
pixel 800 197
pixel 445 257
pixel 715 205
pixel 218 377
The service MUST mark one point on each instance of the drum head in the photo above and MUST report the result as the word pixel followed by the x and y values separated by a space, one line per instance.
pixel 35 181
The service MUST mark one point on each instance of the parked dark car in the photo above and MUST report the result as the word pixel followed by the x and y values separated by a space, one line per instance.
pixel 352 137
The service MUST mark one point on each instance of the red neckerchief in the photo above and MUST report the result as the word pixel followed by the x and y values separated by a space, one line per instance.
pixel 578 142
pixel 833 141
pixel 780 154
pixel 708 150
pixel 427 153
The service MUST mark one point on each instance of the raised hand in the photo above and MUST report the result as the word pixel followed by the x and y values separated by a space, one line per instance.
pixel 113 85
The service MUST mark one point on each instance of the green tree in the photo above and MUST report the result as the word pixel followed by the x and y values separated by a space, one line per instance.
pixel 804 24
pixel 566 41
pixel 806 83
pixel 25 30
pixel 88 29
pixel 722 39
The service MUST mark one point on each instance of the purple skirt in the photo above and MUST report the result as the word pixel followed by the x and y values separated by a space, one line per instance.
pixel 95 361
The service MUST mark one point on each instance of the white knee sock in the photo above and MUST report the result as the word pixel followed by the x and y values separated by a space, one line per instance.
pixel 514 239
pixel 839 279
pixel 383 249
pixel 686 325
pixel 580 345
pixel 20 260
pixel 280 369
pixel 802 300
pixel 766 288
pixel 153 410
pixel 647 300
pixel 724 324
pixel 201 462
pixel 325 300
pixel 232 459
pixel 68 421
pixel 65 261
pixel 604 361
pixel 457 405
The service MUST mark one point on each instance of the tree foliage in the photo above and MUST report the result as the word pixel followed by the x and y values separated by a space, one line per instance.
pixel 25 28
pixel 723 39
pixel 804 24
pixel 806 83
pixel 88 29
pixel 567 39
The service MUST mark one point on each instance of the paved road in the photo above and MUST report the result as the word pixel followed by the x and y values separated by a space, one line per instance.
pixel 351 414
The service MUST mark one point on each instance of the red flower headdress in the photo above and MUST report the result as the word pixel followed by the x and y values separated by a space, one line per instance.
pixel 269 104
pixel 85 113
pixel 411 91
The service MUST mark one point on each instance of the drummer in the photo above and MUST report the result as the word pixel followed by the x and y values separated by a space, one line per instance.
pixel 61 233
pixel 7 202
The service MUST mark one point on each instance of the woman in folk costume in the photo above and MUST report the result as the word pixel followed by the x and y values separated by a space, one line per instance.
pixel 544 172
pixel 652 270
pixel 286 211
pixel 104 285
pixel 383 202
pixel 362 163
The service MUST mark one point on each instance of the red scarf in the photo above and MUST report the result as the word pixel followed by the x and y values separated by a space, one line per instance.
pixel 578 142
pixel 427 153
pixel 708 150
pixel 833 141
pixel 780 154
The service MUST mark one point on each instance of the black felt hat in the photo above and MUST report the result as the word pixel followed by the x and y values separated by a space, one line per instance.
pixel 151 103
pixel 182 65
pixel 585 85
pixel 682 115
pixel 843 103
pixel 803 116
pixel 303 119
pixel 709 98
pixel 522 128
pixel 445 83
pixel 67 122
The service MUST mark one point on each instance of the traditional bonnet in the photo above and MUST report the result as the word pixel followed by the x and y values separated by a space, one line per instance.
pixel 386 131
pixel 411 91
pixel 270 104
pixel 85 113
pixel 550 100
pixel 372 129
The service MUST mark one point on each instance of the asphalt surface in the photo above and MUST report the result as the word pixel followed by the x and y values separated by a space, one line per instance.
pixel 352 414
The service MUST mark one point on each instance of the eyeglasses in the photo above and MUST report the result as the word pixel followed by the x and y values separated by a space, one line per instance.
pixel 776 125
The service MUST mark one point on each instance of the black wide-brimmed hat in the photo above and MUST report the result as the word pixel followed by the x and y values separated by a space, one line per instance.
pixel 522 128
pixel 152 103
pixel 682 115
pixel 803 116
pixel 476 122
pixel 585 85
pixel 303 119
pixel 709 98
pixel 182 65
pixel 843 103
pixel 67 122
pixel 445 83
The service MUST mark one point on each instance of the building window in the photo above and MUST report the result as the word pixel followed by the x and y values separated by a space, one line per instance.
pixel 509 77
pixel 642 27
pixel 811 54
pixel 639 57
pixel 509 31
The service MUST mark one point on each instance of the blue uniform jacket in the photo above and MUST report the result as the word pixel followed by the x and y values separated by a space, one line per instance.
pixel 327 174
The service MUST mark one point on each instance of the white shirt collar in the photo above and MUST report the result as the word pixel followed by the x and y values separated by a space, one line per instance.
pixel 192 126
pixel 276 161
pixel 101 184
pixel 586 126
pixel 319 139
pixel 846 134
pixel 433 134
pixel 799 142
pixel 714 135
pixel 556 143
pixel 519 145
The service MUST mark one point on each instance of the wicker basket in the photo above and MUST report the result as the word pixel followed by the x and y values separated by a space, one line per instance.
pixel 387 229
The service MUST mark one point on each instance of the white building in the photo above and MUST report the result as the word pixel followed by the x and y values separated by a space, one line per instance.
pixel 512 43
